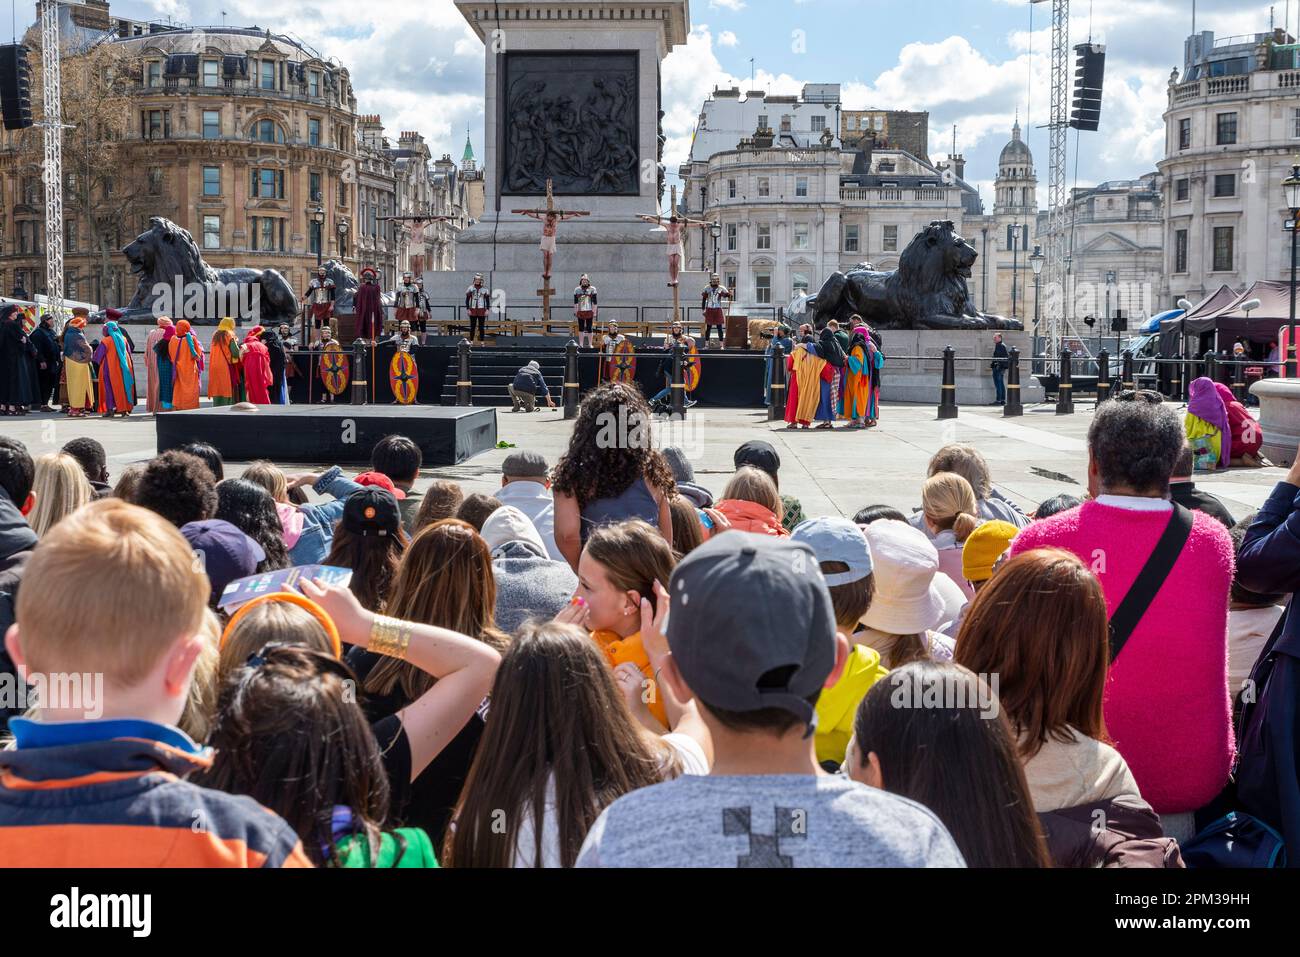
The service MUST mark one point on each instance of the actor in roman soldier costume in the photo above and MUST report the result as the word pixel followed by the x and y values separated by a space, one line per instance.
pixel 586 308
pixel 369 306
pixel 421 323
pixel 318 300
pixel 403 338
pixel 610 342
pixel 712 299
pixel 406 297
pixel 477 299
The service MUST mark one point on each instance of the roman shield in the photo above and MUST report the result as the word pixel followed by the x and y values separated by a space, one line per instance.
pixel 404 377
pixel 335 369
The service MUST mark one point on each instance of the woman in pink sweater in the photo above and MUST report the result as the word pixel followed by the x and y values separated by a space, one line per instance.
pixel 1167 706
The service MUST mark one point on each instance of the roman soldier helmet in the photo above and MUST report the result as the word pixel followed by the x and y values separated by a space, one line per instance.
pixel 478 279
pixel 407 274
pixel 585 278
pixel 320 270
pixel 370 274
pixel 714 277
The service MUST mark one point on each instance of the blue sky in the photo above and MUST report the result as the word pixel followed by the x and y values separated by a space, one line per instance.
pixel 973 63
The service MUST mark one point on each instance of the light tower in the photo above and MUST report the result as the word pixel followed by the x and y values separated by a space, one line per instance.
pixel 1059 123
pixel 52 169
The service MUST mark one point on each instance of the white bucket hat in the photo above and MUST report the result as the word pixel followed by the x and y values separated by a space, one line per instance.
pixel 905 565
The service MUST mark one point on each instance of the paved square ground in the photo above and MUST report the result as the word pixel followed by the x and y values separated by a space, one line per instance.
pixel 1032 457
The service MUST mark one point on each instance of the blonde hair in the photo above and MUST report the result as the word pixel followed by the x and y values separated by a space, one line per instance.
pixel 949 503
pixel 270 477
pixel 60 487
pixel 201 703
pixel 275 621
pixel 750 484
pixel 110 589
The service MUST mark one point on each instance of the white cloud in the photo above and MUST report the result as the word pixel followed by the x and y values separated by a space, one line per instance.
pixel 728 39
pixel 733 5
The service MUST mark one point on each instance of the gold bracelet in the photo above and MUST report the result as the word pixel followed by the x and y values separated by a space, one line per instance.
pixel 389 637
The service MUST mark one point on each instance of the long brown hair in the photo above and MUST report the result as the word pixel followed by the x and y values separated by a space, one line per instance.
pixel 444 579
pixel 290 734
pixel 634 556
pixel 688 533
pixel 596 467
pixel 957 760
pixel 556 712
pixel 1040 626
pixel 374 561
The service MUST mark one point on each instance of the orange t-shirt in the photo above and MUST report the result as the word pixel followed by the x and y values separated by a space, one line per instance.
pixel 618 650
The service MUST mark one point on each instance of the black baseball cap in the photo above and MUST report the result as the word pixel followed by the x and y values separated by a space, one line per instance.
pixel 751 624
pixel 371 511
pixel 759 454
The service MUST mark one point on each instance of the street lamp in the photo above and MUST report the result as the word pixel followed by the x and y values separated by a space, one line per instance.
pixel 1110 281
pixel 1015 264
pixel 1036 264
pixel 318 219
pixel 716 232
pixel 1291 190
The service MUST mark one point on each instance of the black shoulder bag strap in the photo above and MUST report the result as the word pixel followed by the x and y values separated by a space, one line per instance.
pixel 1147 584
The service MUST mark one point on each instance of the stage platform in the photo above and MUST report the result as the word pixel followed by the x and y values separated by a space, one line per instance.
pixel 332 433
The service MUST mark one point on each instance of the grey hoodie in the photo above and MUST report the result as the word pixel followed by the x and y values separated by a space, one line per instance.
pixel 529 583
pixel 16 543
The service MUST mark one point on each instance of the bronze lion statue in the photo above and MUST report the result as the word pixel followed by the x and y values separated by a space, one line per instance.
pixel 175 281
pixel 927 291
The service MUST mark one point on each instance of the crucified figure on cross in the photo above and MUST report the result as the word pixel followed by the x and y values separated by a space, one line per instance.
pixel 551 219
pixel 674 225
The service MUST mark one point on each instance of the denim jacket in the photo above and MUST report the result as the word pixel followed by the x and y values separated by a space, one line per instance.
pixel 319 520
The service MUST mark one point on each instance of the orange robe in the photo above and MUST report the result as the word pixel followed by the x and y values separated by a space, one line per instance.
pixel 187 361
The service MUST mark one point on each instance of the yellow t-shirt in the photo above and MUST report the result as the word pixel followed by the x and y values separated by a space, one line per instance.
pixel 838 704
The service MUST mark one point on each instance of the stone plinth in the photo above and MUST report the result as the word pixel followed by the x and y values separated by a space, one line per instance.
pixel 918 379
pixel 1279 416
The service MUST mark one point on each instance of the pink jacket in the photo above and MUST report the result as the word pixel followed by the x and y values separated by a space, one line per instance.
pixel 1167 706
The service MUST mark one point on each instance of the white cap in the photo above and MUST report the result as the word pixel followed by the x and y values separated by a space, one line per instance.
pixel 905 565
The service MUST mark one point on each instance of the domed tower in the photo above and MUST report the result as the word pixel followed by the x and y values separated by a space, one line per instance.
pixel 1016 186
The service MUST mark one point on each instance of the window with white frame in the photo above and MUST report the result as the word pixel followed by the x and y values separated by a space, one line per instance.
pixel 763 287
pixel 764 186
pixel 801 235
pixel 731 186
pixel 852 240
pixel 763 236
pixel 818 123
pixel 732 233
pixel 801 186
pixel 889 239
pixel 799 282
pixel 211 232
pixel 211 72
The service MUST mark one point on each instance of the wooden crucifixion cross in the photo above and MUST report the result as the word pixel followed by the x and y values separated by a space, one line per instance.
pixel 550 217
pixel 674 225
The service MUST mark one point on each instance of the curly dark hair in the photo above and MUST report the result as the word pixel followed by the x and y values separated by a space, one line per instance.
pixel 1136 445
pixel 593 468
pixel 251 509
pixel 179 487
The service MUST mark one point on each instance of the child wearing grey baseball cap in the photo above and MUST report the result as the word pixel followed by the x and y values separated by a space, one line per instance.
pixel 751 637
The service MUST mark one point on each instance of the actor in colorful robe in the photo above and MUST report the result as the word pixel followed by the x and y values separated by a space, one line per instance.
pixel 1206 424
pixel 369 306
pixel 187 366
pixel 116 372
pixel 77 356
pixel 257 367
pixel 808 384
pixel 225 383
pixel 857 401
pixel 162 355
pixel 152 401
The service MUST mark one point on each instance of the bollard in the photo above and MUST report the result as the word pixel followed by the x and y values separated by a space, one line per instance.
pixel 1211 365
pixel 571 380
pixel 464 385
pixel 360 366
pixel 679 380
pixel 1126 370
pixel 1103 376
pixel 948 390
pixel 1065 388
pixel 1176 379
pixel 1239 381
pixel 1013 405
pixel 776 388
